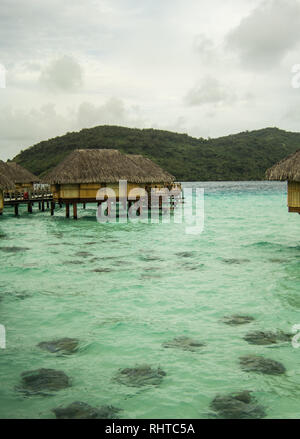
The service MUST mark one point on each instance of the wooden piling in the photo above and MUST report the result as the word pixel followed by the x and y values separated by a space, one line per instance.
pixel 67 210
pixel 52 207
pixel 43 206
pixel 75 211
pixel 29 207
pixel 16 209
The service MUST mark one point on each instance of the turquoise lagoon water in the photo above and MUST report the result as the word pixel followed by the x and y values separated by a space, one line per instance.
pixel 246 261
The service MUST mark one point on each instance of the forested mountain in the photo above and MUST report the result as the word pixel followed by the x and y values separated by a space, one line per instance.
pixel 243 156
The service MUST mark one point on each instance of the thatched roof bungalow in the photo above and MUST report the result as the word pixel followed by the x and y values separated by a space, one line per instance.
pixel 288 169
pixel 6 183
pixel 23 178
pixel 83 172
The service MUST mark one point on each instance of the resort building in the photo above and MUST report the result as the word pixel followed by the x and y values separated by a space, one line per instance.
pixel 23 179
pixel 5 184
pixel 289 169
pixel 78 178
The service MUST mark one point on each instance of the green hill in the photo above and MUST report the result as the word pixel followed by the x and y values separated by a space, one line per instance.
pixel 243 156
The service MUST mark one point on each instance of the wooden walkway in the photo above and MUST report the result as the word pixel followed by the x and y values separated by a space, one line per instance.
pixel 45 201
pixel 16 199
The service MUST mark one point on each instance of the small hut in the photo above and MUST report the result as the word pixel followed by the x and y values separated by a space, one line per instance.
pixel 6 183
pixel 23 179
pixel 83 172
pixel 289 169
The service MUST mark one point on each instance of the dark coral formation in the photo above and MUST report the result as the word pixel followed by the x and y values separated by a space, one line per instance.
pixel 102 270
pixel 236 319
pixel 83 254
pixel 40 380
pixel 233 261
pixel 185 254
pixel 81 410
pixel 13 249
pixel 62 345
pixel 184 343
pixel 266 337
pixel 255 363
pixel 140 376
pixel 237 406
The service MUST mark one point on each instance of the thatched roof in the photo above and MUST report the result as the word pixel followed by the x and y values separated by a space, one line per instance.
pixel 21 175
pixel 5 181
pixel 100 166
pixel 151 169
pixel 286 169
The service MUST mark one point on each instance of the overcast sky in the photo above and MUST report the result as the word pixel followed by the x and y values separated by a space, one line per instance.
pixel 206 68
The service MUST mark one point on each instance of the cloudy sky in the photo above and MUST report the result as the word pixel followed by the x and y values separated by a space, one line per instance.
pixel 202 67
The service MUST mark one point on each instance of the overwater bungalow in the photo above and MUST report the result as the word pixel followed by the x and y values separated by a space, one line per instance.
pixel 23 179
pixel 6 183
pixel 288 170
pixel 83 172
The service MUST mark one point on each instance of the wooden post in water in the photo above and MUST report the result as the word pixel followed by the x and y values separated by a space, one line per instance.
pixel 16 209
pixel 84 205
pixel 99 209
pixel 29 207
pixel 47 204
pixel 43 206
pixel 67 210
pixel 75 211
pixel 52 208
pixel 40 206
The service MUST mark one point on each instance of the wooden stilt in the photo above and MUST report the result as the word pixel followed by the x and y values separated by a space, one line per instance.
pixel 29 207
pixel 43 206
pixel 16 209
pixel 75 211
pixel 84 205
pixel 52 208
pixel 67 210
pixel 40 206
pixel 47 204
pixel 99 209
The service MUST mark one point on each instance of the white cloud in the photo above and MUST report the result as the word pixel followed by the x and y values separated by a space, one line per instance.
pixel 62 74
pixel 22 128
pixel 209 91
pixel 111 112
pixel 267 34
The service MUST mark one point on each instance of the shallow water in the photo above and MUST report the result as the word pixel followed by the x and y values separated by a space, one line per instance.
pixel 154 283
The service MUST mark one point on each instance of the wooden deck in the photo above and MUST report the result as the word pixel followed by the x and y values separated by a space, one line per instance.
pixel 46 201
pixel 16 199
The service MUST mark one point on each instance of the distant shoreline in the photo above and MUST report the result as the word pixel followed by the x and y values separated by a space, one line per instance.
pixel 240 157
